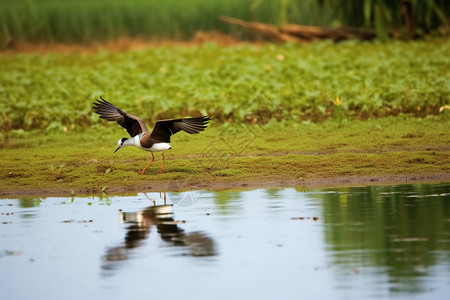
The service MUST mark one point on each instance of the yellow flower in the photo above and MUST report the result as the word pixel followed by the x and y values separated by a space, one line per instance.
pixel 280 57
pixel 337 101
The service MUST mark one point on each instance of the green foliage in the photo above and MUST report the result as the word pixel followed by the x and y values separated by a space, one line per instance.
pixel 56 171
pixel 84 21
pixel 87 21
pixel 338 112
pixel 289 83
pixel 407 18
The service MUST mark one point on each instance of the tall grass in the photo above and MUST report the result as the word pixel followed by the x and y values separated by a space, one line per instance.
pixel 408 18
pixel 84 21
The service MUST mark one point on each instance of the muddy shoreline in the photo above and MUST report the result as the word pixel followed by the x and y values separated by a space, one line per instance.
pixel 171 186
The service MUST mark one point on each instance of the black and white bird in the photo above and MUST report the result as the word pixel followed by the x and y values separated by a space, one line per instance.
pixel 158 139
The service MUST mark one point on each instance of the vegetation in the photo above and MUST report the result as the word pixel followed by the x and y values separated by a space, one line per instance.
pixel 281 112
pixel 406 18
pixel 288 83
pixel 85 21
pixel 229 154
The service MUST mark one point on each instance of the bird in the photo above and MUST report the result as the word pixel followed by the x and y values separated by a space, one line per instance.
pixel 158 139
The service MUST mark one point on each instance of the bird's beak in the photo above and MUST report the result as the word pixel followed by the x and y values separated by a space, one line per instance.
pixel 117 149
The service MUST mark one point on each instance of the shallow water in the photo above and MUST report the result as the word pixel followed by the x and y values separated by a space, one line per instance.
pixel 373 242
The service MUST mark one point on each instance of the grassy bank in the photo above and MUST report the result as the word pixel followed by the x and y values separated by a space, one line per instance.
pixel 230 155
pixel 297 115
pixel 282 82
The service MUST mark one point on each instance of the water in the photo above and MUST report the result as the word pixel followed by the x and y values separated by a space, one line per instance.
pixel 372 242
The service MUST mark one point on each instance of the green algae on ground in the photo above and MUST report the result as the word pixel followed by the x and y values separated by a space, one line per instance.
pixel 274 153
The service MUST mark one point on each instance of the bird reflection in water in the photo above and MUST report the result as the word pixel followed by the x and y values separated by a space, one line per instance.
pixel 161 216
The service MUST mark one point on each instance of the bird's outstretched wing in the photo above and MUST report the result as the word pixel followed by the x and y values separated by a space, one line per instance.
pixel 164 129
pixel 110 112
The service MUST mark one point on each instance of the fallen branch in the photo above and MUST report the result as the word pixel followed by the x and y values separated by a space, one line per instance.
pixel 299 33
pixel 270 31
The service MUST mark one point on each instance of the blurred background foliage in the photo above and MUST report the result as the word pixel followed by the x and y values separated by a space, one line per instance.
pixel 85 21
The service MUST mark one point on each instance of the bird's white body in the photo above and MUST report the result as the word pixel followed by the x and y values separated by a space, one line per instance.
pixel 136 141
pixel 158 147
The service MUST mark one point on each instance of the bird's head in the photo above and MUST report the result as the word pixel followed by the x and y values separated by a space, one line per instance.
pixel 120 144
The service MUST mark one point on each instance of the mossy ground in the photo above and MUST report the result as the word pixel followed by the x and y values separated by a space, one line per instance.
pixel 227 155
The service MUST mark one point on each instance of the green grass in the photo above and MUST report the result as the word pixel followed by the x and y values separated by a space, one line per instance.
pixel 84 21
pixel 288 83
pixel 89 21
pixel 84 161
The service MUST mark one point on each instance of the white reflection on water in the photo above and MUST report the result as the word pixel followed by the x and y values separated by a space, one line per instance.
pixel 342 243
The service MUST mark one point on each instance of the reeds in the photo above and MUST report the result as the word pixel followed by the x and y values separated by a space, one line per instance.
pixel 84 21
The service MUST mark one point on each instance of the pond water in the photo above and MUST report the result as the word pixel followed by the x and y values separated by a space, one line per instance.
pixel 372 242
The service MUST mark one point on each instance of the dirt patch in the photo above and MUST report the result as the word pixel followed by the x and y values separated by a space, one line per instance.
pixel 121 45
pixel 242 185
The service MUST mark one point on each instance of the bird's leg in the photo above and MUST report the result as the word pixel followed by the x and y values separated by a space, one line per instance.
pixel 162 165
pixel 142 172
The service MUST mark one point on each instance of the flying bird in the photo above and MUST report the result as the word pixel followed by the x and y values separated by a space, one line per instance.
pixel 158 139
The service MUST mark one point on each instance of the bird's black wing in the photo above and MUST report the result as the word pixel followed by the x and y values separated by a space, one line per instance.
pixel 110 112
pixel 164 129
